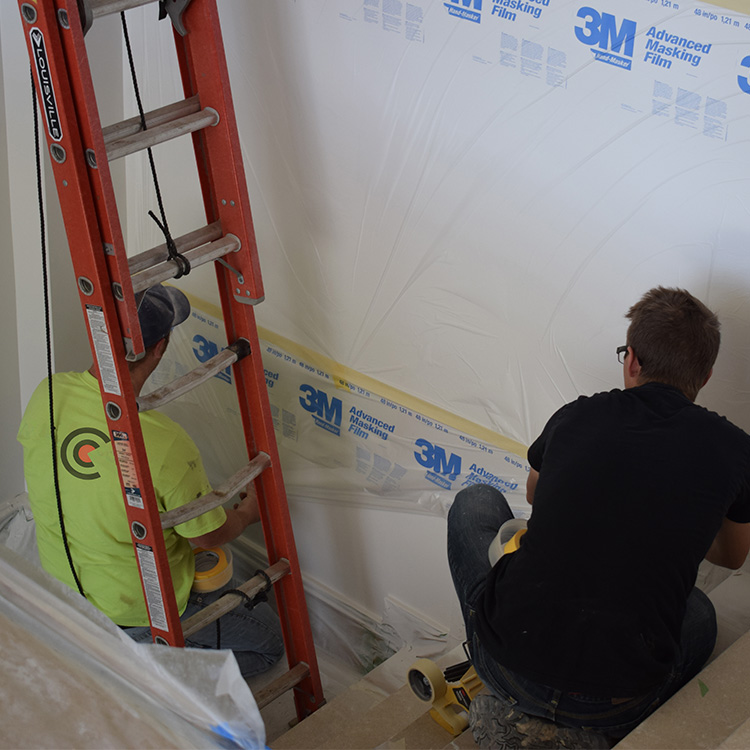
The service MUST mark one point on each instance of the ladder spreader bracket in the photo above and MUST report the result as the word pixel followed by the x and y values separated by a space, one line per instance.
pixel 228 602
pixel 247 299
pixel 219 496
pixel 194 378
pixel 175 10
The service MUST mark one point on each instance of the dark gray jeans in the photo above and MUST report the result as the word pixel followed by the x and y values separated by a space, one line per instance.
pixel 253 635
pixel 474 519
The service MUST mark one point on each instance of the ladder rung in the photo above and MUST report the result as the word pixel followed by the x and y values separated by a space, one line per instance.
pixel 156 117
pixel 229 601
pixel 194 378
pixel 144 139
pixel 169 269
pixel 101 8
pixel 281 685
pixel 158 254
pixel 219 496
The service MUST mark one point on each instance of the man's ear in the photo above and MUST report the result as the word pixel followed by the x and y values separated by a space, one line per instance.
pixel 632 365
pixel 708 377
pixel 160 347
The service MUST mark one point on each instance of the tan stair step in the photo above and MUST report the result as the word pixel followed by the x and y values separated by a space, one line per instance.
pixel 711 709
pixel 356 720
pixel 368 714
pixel 426 734
pixel 739 739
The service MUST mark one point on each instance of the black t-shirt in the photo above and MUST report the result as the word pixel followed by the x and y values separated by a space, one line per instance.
pixel 633 487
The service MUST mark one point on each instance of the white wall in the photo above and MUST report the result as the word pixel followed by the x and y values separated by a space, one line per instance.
pixel 462 212
pixel 10 386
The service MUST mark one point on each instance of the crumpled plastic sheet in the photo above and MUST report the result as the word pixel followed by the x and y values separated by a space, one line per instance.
pixel 72 678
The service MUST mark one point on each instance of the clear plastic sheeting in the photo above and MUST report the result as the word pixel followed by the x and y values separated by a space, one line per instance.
pixel 72 679
pixel 461 199
pixel 341 436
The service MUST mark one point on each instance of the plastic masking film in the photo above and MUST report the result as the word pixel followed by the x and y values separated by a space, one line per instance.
pixel 341 436
pixel 460 199
pixel 62 653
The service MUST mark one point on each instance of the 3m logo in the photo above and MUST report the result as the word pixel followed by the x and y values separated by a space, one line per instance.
pixel 744 81
pixel 327 414
pixel 469 10
pixel 614 45
pixel 441 470
pixel 205 350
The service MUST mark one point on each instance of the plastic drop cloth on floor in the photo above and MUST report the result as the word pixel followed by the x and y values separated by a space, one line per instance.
pixel 71 678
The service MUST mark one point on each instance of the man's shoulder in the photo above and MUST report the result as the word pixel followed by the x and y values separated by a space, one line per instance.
pixel 705 416
pixel 594 401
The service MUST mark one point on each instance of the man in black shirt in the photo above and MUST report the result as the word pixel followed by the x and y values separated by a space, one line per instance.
pixel 594 622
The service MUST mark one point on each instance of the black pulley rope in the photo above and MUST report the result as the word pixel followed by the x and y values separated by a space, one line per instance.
pixel 182 262
pixel 48 334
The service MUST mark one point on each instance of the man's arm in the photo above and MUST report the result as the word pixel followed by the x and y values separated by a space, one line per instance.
pixel 730 547
pixel 239 518
pixel 531 481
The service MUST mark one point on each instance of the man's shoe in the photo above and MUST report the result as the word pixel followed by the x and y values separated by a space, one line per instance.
pixel 496 725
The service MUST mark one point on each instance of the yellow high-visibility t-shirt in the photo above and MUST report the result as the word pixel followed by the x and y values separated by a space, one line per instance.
pixel 96 523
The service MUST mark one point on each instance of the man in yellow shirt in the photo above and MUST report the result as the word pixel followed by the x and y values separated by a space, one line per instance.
pixel 96 526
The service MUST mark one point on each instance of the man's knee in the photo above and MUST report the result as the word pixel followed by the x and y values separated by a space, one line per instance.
pixel 473 497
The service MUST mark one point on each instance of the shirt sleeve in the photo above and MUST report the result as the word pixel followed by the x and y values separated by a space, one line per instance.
pixel 180 478
pixel 739 510
pixel 535 455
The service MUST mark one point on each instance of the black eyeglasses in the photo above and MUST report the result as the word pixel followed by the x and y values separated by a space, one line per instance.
pixel 622 352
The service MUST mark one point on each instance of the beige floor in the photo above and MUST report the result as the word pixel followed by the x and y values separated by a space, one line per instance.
pixel 380 712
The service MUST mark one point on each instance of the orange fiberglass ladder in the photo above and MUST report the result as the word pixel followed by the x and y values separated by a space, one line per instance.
pixel 108 281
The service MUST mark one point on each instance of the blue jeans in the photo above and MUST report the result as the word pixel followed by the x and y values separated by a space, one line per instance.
pixel 253 635
pixel 474 519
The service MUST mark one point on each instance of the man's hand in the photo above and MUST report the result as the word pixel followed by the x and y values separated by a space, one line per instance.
pixel 243 514
pixel 247 508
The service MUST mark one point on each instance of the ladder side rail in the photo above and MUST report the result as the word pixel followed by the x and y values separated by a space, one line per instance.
pixel 79 206
pixel 219 160
pixel 84 97
pixel 223 184
pixel 274 510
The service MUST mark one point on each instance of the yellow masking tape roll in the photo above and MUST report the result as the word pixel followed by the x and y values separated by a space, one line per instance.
pixel 514 543
pixel 213 568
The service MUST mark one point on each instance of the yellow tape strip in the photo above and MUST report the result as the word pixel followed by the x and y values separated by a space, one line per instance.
pixel 343 375
pixel 738 5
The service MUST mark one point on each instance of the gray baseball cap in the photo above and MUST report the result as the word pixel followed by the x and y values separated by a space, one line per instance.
pixel 160 309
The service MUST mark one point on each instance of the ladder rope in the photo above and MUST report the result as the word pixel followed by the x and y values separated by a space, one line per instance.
pixel 48 334
pixel 183 263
